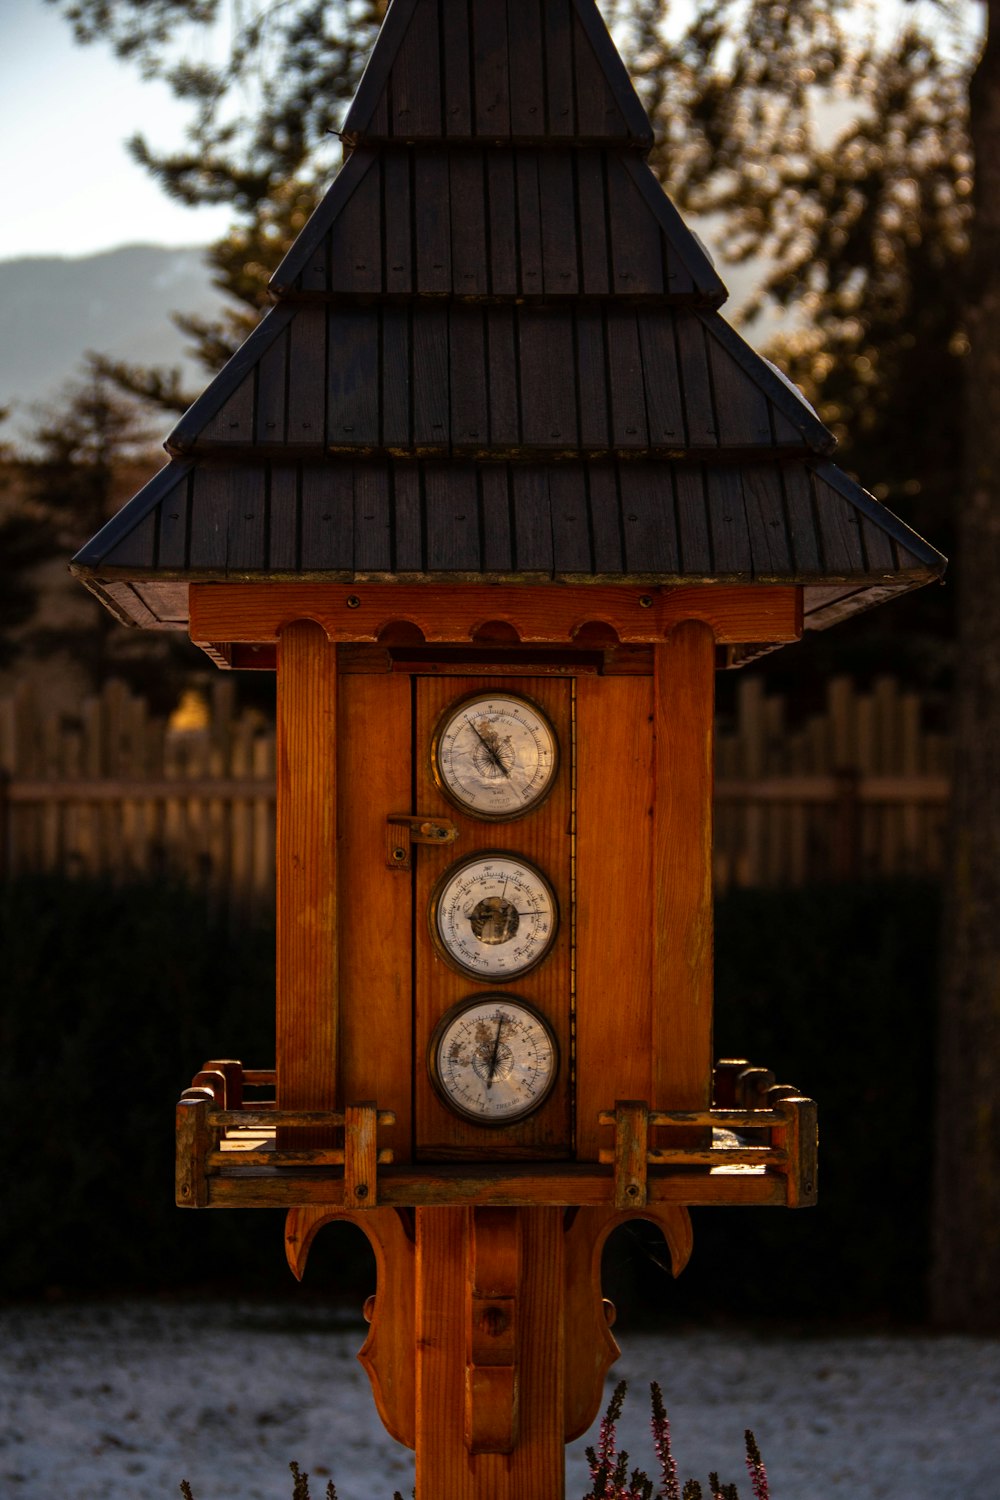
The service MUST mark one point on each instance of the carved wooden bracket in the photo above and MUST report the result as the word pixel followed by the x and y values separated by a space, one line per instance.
pixel 493 1312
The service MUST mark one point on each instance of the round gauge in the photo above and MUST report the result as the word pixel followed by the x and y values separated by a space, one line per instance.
pixel 494 916
pixel 495 755
pixel 493 1059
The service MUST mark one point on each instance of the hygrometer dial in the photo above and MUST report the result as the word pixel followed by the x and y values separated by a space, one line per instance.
pixel 493 915
pixel 493 1059
pixel 495 755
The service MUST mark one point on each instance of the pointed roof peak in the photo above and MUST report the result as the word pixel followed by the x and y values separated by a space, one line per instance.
pixel 497 70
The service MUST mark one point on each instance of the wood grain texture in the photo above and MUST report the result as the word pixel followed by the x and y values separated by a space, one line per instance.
pixel 306 1000
pixel 452 612
pixel 542 836
pixel 683 707
pixel 446 1187
pixel 614 899
pixel 444 1463
pixel 375 984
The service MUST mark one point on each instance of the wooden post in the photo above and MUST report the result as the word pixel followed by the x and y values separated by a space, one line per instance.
pixel 683 706
pixel 306 978
pixel 451 1249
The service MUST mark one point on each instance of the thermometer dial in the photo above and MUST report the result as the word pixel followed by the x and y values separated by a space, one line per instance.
pixel 493 916
pixel 495 755
pixel 493 1059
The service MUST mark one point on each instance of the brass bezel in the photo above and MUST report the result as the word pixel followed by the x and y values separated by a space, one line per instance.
pixel 448 713
pixel 479 856
pixel 454 1013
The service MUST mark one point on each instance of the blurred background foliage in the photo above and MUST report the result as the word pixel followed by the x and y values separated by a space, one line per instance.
pixel 114 995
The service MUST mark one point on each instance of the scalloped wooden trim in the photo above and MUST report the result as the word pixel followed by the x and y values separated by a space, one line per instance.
pixel 456 613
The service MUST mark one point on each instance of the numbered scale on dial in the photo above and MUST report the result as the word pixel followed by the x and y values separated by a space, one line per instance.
pixel 495 755
pixel 493 915
pixel 493 1059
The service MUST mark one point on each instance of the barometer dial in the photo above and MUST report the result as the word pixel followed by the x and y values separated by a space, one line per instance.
pixel 493 916
pixel 493 1059
pixel 495 755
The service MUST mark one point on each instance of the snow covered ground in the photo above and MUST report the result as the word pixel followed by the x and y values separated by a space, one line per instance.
pixel 122 1401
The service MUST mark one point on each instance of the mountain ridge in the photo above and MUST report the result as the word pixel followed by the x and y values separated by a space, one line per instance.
pixel 55 308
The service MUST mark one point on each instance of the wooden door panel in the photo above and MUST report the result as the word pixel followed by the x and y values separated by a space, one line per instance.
pixel 543 836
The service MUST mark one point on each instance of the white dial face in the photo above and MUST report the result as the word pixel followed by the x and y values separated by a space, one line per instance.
pixel 494 916
pixel 493 1059
pixel 495 755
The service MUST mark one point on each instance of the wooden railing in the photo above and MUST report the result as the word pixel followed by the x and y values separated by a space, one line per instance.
pixel 858 789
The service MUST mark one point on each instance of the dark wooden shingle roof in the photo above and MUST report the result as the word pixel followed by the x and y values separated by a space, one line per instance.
pixel 497 354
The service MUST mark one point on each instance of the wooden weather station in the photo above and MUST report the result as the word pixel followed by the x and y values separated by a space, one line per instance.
pixel 495 490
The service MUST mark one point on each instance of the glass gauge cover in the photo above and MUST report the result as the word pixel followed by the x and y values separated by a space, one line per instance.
pixel 493 1059
pixel 493 915
pixel 495 755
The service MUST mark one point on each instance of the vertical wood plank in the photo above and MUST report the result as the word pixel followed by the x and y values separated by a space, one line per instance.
pixel 558 27
pixel 469 269
pixel 306 1002
pixel 444 1465
pixel 353 396
pixel 416 77
pixel 491 68
pixel 433 223
pixel 407 530
pixel 431 413
pixel 372 518
pixel 661 379
pixel 398 227
pixel 307 376
pixel 744 416
pixel 527 95
pixel 452 508
pixel 375 965
pixel 457 71
pixel 699 411
pixel 505 429
pixel 271 404
pixel 614 949
pixel 636 242
pixel 560 272
pixel 548 378
pixel 495 502
pixel 592 377
pixel 529 221
pixel 327 518
pixel 648 523
pixel 469 397
pixel 592 209
pixel 628 398
pixel 356 238
pixel 503 223
pixel 683 706
pixel 395 397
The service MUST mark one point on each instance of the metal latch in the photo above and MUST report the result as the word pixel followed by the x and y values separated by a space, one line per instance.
pixel 403 830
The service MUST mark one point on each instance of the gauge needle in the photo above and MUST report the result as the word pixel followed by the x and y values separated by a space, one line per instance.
pixel 495 1053
pixel 491 752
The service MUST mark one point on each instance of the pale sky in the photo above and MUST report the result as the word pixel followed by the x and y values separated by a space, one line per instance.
pixel 69 185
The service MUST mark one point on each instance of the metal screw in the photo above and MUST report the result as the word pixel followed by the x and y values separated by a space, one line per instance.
pixel 353 602
pixel 632 1190
pixel 646 601
pixel 399 854
pixel 361 1191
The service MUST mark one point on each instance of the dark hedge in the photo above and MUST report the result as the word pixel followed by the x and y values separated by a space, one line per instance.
pixel 112 996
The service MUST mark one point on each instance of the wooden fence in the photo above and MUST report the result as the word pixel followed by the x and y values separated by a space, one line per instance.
pixel 857 790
